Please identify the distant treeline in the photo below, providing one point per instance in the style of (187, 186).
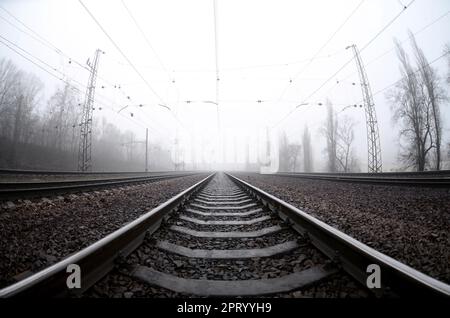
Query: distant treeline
(415, 100)
(44, 134)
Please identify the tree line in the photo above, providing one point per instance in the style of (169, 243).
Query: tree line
(415, 100)
(44, 134)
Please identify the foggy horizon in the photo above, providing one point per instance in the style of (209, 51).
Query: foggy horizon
(266, 58)
(253, 154)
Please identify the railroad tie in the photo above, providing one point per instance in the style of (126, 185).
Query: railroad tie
(231, 222)
(243, 207)
(247, 213)
(228, 254)
(203, 287)
(231, 234)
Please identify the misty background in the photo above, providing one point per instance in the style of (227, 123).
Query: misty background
(213, 80)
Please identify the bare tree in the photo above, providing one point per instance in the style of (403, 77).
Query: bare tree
(62, 117)
(344, 146)
(9, 80)
(433, 96)
(25, 98)
(329, 130)
(412, 110)
(447, 51)
(294, 151)
(307, 150)
(289, 154)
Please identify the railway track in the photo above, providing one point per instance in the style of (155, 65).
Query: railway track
(27, 189)
(417, 179)
(30, 172)
(225, 237)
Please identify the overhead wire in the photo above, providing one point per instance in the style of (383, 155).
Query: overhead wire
(130, 62)
(393, 48)
(339, 81)
(242, 67)
(416, 71)
(398, 81)
(12, 46)
(42, 40)
(216, 58)
(141, 31)
(348, 62)
(147, 41)
(322, 47)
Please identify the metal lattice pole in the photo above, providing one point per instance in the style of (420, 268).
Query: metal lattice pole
(85, 144)
(373, 136)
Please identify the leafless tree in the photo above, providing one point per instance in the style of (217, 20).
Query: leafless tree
(415, 101)
(329, 130)
(25, 98)
(289, 154)
(9, 80)
(294, 151)
(37, 137)
(307, 150)
(344, 146)
(447, 51)
(62, 116)
(433, 96)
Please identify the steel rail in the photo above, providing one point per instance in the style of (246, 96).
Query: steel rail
(96, 260)
(432, 179)
(429, 173)
(12, 190)
(353, 256)
(61, 172)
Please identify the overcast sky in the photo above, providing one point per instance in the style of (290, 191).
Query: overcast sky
(264, 51)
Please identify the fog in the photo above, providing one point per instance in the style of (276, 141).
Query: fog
(213, 80)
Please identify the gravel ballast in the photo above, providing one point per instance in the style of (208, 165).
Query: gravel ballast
(171, 258)
(410, 224)
(35, 234)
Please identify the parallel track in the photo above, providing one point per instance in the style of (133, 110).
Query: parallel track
(228, 224)
(21, 190)
(69, 172)
(417, 179)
